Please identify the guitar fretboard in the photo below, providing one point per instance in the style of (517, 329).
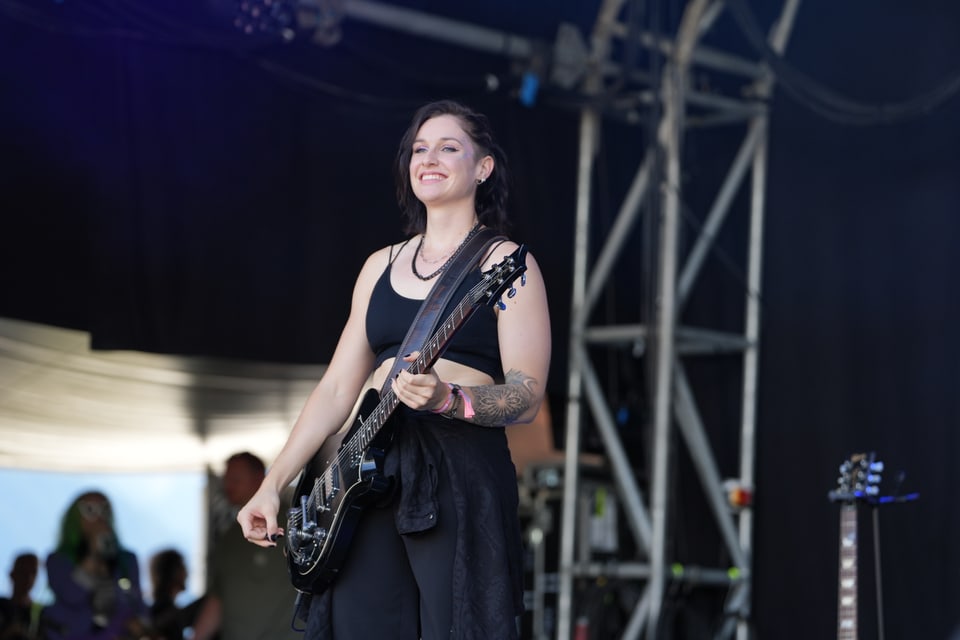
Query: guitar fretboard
(847, 609)
(428, 356)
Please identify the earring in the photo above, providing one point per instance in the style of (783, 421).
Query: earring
(480, 180)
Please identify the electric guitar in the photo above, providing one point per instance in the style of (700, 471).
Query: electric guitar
(859, 477)
(346, 475)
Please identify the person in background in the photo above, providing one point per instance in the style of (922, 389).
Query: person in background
(168, 576)
(443, 557)
(19, 614)
(95, 581)
(249, 594)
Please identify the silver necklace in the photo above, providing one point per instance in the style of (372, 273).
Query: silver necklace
(443, 267)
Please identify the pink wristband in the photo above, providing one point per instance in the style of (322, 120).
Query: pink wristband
(446, 404)
(467, 404)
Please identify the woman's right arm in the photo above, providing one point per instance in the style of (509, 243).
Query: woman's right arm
(324, 413)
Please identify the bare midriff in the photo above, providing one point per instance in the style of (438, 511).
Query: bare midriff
(447, 370)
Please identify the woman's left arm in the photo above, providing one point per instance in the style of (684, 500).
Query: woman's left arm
(524, 335)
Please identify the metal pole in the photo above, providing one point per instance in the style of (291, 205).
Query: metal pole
(778, 41)
(669, 135)
(665, 324)
(589, 142)
(589, 126)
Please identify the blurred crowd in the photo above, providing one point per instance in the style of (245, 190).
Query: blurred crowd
(96, 583)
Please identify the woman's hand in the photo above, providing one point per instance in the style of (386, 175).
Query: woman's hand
(258, 518)
(423, 391)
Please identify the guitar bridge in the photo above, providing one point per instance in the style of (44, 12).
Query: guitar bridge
(302, 527)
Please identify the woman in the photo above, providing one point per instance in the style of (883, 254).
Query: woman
(445, 563)
(95, 581)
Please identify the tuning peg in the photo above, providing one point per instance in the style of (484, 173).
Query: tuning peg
(523, 279)
(512, 292)
(502, 305)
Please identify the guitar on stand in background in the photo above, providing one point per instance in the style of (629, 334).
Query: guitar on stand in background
(858, 482)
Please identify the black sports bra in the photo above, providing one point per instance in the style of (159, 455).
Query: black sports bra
(389, 316)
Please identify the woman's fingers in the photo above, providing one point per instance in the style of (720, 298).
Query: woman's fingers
(415, 390)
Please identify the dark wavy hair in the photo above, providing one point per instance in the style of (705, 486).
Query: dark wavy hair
(491, 197)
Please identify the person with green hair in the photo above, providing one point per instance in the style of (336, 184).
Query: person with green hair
(95, 581)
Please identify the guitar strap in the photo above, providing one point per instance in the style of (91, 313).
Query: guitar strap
(428, 316)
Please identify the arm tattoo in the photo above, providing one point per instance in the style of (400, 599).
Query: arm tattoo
(501, 404)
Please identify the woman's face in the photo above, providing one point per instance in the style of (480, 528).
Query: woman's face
(95, 513)
(445, 164)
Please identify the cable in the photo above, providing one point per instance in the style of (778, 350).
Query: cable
(328, 88)
(877, 570)
(395, 67)
(827, 102)
(137, 30)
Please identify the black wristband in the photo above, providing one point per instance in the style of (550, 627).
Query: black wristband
(455, 404)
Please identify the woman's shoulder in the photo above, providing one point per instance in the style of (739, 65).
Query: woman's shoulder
(378, 262)
(385, 255)
(380, 259)
(128, 553)
(501, 249)
(60, 555)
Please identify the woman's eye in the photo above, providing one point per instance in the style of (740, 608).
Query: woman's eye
(419, 149)
(449, 148)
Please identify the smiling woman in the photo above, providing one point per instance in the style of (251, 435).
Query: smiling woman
(151, 511)
(445, 545)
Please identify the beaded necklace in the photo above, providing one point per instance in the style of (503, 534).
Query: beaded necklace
(443, 267)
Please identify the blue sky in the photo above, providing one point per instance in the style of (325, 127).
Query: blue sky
(152, 511)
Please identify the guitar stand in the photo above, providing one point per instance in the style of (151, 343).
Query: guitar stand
(875, 523)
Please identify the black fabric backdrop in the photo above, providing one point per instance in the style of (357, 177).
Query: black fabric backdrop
(189, 198)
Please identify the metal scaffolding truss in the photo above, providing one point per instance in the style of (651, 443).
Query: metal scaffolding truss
(673, 401)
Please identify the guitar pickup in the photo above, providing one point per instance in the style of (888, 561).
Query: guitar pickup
(329, 487)
(335, 484)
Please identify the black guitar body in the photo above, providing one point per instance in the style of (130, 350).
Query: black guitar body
(336, 486)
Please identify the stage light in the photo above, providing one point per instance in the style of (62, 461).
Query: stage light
(266, 18)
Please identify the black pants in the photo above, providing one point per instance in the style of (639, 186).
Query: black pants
(398, 587)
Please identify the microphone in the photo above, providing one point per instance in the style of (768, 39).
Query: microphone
(107, 546)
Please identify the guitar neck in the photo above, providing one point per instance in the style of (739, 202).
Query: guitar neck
(442, 336)
(847, 604)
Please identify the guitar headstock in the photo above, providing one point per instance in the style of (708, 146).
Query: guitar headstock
(501, 276)
(859, 479)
